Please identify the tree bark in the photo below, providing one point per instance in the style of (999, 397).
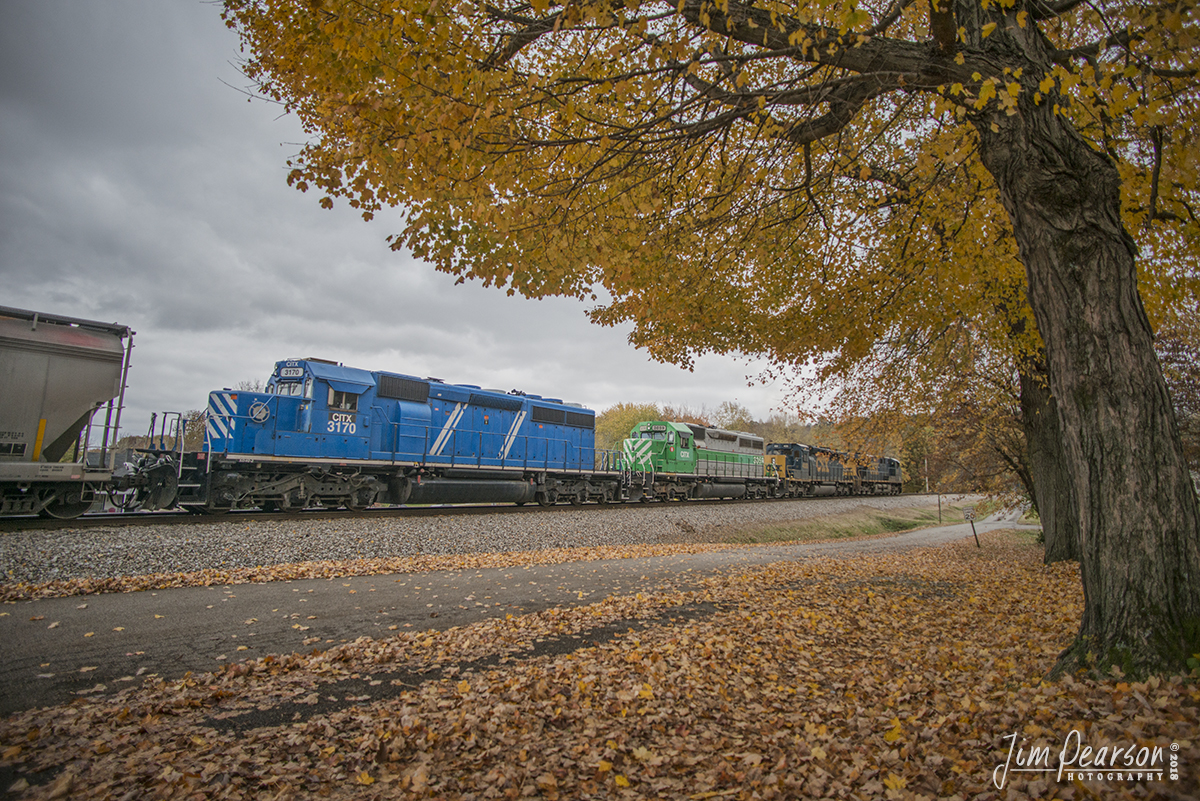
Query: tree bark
(1138, 523)
(1049, 480)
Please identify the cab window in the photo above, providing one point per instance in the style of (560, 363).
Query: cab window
(342, 401)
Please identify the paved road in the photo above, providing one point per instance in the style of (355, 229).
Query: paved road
(57, 649)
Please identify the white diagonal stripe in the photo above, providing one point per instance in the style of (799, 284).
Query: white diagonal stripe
(221, 403)
(637, 451)
(220, 418)
(448, 429)
(512, 435)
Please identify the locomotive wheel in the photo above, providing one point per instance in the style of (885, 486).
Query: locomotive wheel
(579, 498)
(359, 500)
(547, 498)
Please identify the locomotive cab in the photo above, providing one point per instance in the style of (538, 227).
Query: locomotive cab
(661, 447)
(309, 408)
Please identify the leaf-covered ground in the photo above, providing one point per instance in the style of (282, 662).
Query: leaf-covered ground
(896, 676)
(329, 568)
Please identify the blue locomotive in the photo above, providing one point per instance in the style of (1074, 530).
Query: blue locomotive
(323, 434)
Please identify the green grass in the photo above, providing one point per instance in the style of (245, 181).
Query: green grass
(859, 523)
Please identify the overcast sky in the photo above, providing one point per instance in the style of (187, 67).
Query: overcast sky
(138, 185)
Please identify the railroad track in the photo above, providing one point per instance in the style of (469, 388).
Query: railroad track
(173, 518)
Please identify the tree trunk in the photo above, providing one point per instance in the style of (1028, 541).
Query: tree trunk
(1138, 523)
(1051, 485)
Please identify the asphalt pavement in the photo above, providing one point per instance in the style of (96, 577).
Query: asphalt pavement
(59, 649)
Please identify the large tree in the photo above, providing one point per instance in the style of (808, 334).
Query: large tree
(726, 171)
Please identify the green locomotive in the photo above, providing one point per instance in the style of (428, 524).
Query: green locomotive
(665, 460)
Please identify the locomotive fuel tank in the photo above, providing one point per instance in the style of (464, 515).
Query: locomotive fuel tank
(471, 491)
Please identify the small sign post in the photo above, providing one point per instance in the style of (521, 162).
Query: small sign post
(969, 516)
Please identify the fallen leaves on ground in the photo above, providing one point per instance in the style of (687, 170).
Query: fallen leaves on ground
(329, 569)
(895, 676)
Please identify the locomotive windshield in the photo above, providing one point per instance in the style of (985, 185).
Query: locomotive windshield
(292, 388)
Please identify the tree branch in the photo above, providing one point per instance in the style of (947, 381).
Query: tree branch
(943, 26)
(1043, 9)
(506, 51)
(853, 52)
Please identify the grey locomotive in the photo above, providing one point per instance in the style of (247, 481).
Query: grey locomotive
(56, 373)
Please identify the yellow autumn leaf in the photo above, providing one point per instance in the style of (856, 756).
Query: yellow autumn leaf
(364, 778)
(894, 782)
(620, 780)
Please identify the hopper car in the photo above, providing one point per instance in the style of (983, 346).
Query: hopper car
(62, 381)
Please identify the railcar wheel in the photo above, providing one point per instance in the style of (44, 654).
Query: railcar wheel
(579, 497)
(66, 506)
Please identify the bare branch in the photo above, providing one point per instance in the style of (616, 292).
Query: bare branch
(1043, 9)
(530, 33)
(888, 18)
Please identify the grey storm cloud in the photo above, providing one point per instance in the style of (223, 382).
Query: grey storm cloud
(138, 185)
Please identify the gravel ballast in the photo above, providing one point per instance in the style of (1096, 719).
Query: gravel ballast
(114, 552)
